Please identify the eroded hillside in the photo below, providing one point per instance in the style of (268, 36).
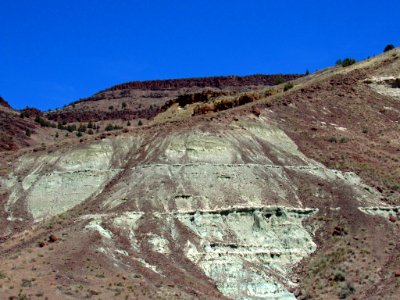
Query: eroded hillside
(288, 193)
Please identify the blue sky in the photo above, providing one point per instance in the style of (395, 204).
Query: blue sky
(54, 52)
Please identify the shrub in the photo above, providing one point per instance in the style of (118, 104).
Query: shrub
(140, 123)
(2, 275)
(109, 127)
(348, 62)
(346, 291)
(204, 108)
(244, 99)
(123, 105)
(279, 80)
(60, 126)
(388, 48)
(287, 86)
(43, 122)
(339, 276)
(28, 132)
(396, 83)
(79, 134)
(26, 282)
(111, 107)
(332, 139)
(24, 114)
(82, 128)
(71, 128)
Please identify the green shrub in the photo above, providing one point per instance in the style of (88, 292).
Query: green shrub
(348, 62)
(279, 80)
(339, 276)
(71, 128)
(388, 48)
(109, 127)
(287, 86)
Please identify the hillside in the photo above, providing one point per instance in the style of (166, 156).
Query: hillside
(230, 188)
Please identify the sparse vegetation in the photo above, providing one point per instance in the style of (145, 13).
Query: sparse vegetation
(44, 123)
(111, 127)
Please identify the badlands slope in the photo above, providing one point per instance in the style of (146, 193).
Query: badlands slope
(242, 204)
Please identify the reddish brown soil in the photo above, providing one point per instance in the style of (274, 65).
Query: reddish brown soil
(14, 131)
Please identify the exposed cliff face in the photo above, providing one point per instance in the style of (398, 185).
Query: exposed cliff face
(216, 82)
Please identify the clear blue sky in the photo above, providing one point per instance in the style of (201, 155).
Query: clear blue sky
(55, 51)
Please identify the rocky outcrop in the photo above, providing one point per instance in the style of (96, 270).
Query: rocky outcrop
(217, 82)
